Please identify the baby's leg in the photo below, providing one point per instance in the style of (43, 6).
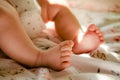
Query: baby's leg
(57, 57)
(90, 41)
(67, 27)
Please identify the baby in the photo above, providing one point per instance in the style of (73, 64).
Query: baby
(68, 28)
(21, 22)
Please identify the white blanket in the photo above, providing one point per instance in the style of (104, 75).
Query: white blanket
(101, 64)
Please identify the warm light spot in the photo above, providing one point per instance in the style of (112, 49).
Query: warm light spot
(50, 25)
(80, 36)
(105, 47)
(82, 32)
(61, 2)
(104, 77)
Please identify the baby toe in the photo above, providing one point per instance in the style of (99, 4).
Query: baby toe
(102, 40)
(100, 34)
(63, 66)
(67, 43)
(65, 58)
(92, 27)
(66, 53)
(65, 62)
(97, 31)
(66, 48)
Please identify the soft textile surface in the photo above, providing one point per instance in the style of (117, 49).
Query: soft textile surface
(101, 64)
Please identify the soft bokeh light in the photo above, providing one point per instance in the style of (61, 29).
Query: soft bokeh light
(105, 47)
(81, 33)
(80, 36)
(103, 77)
(50, 25)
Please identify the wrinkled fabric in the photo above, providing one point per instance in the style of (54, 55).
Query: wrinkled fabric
(101, 64)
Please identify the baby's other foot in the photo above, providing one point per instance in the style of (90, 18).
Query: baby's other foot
(90, 41)
(58, 57)
(94, 29)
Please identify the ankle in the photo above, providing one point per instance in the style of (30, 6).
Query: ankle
(43, 59)
(39, 59)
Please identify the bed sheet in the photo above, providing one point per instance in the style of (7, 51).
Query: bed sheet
(101, 64)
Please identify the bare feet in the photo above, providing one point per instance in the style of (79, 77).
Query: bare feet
(91, 40)
(58, 57)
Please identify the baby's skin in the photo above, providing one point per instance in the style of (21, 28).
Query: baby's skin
(89, 42)
(67, 27)
(21, 48)
(57, 57)
(83, 43)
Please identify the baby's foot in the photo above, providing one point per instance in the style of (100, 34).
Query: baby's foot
(91, 40)
(94, 29)
(58, 57)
